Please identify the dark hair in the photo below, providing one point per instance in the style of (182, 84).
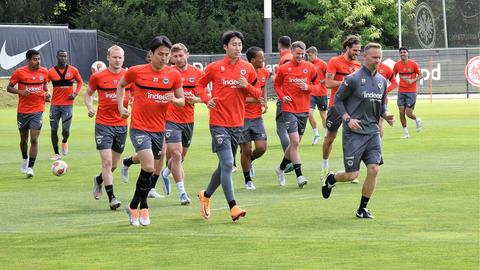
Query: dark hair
(61, 51)
(298, 44)
(403, 48)
(252, 52)
(285, 41)
(31, 53)
(350, 41)
(159, 41)
(227, 36)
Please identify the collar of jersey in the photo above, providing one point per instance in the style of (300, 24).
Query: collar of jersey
(226, 60)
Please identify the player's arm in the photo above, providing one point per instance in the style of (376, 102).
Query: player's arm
(314, 83)
(120, 96)
(330, 82)
(419, 74)
(249, 84)
(79, 81)
(11, 86)
(177, 97)
(278, 87)
(88, 100)
(344, 92)
(385, 115)
(202, 85)
(47, 94)
(393, 84)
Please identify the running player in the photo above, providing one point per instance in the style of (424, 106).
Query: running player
(154, 86)
(253, 127)
(361, 101)
(32, 93)
(337, 68)
(180, 120)
(62, 77)
(387, 73)
(110, 127)
(410, 73)
(318, 96)
(232, 79)
(293, 85)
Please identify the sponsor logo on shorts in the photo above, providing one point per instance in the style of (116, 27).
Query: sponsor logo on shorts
(139, 139)
(168, 133)
(219, 138)
(99, 139)
(350, 160)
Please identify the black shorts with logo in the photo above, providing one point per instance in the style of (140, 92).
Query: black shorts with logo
(142, 140)
(110, 137)
(361, 147)
(295, 122)
(225, 137)
(334, 120)
(178, 132)
(26, 121)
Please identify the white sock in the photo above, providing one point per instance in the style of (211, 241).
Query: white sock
(166, 172)
(405, 130)
(181, 187)
(315, 132)
(418, 119)
(325, 163)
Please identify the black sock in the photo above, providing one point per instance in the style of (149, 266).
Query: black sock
(31, 162)
(64, 140)
(55, 150)
(363, 202)
(143, 203)
(109, 190)
(153, 180)
(141, 190)
(231, 204)
(284, 163)
(99, 178)
(206, 194)
(331, 179)
(128, 161)
(247, 176)
(24, 155)
(298, 169)
(252, 158)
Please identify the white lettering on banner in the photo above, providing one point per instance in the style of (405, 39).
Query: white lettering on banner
(159, 98)
(436, 74)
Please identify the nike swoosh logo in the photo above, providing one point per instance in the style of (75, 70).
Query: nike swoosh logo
(7, 62)
(329, 186)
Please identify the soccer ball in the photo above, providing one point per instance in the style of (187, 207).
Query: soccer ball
(98, 66)
(59, 168)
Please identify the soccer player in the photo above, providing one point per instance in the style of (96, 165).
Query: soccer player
(361, 101)
(284, 43)
(387, 73)
(62, 77)
(180, 120)
(110, 127)
(253, 127)
(154, 86)
(337, 68)
(410, 73)
(293, 85)
(32, 93)
(318, 95)
(232, 79)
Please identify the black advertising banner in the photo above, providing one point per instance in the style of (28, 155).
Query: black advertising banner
(16, 40)
(83, 50)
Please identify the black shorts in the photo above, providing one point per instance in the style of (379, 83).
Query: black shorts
(177, 132)
(358, 147)
(321, 102)
(26, 121)
(142, 140)
(110, 137)
(295, 122)
(407, 99)
(225, 137)
(253, 130)
(61, 112)
(334, 121)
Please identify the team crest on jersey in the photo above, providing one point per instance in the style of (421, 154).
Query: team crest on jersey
(263, 79)
(191, 79)
(380, 70)
(380, 85)
(305, 70)
(363, 81)
(222, 69)
(68, 74)
(165, 80)
(155, 79)
(243, 71)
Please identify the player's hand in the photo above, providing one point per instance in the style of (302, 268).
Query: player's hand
(390, 119)
(72, 96)
(23, 93)
(91, 113)
(303, 86)
(264, 108)
(169, 97)
(286, 99)
(211, 104)
(47, 97)
(354, 124)
(242, 82)
(124, 113)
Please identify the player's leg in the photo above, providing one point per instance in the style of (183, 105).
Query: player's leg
(323, 116)
(55, 116)
(35, 127)
(67, 116)
(246, 149)
(412, 99)
(333, 122)
(24, 148)
(312, 121)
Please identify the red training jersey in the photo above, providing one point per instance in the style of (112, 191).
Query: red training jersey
(149, 88)
(229, 98)
(105, 83)
(408, 70)
(186, 114)
(319, 89)
(289, 76)
(254, 110)
(340, 67)
(35, 82)
(62, 81)
(387, 73)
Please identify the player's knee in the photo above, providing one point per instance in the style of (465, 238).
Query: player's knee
(107, 164)
(373, 169)
(66, 133)
(352, 176)
(34, 140)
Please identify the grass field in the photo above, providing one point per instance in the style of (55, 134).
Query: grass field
(426, 204)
